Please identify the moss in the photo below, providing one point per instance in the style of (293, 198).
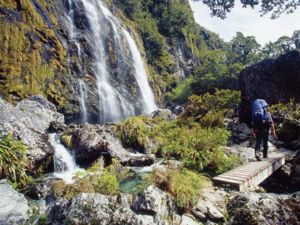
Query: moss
(66, 140)
(24, 71)
(133, 133)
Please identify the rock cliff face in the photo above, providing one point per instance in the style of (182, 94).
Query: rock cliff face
(48, 50)
(276, 80)
(29, 121)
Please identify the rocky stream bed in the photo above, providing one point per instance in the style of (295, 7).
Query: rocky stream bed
(33, 119)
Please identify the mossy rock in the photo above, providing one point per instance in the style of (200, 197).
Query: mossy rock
(66, 140)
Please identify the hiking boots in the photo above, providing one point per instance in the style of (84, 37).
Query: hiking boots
(257, 156)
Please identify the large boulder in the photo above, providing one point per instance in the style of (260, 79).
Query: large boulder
(267, 209)
(90, 142)
(276, 80)
(29, 121)
(13, 205)
(155, 202)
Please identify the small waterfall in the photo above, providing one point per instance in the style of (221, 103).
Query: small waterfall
(64, 163)
(82, 100)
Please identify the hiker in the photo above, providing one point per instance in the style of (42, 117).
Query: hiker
(262, 122)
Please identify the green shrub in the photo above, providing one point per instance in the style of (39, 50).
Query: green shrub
(213, 119)
(107, 183)
(182, 91)
(184, 185)
(133, 133)
(191, 144)
(221, 100)
(223, 162)
(13, 160)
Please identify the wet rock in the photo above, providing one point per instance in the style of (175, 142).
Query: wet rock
(155, 202)
(268, 209)
(13, 205)
(276, 80)
(138, 160)
(58, 211)
(29, 121)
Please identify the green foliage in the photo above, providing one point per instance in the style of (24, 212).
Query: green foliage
(184, 185)
(221, 8)
(213, 119)
(222, 162)
(182, 91)
(133, 132)
(24, 70)
(37, 218)
(107, 183)
(13, 160)
(193, 145)
(221, 100)
(94, 179)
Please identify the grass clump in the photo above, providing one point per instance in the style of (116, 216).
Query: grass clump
(133, 133)
(13, 160)
(185, 185)
(96, 179)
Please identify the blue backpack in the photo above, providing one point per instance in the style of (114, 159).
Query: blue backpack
(259, 111)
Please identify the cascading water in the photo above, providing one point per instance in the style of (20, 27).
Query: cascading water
(64, 163)
(122, 85)
(141, 76)
(82, 100)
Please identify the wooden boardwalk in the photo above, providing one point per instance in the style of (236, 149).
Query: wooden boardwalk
(252, 173)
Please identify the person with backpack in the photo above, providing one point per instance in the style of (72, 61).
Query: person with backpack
(262, 122)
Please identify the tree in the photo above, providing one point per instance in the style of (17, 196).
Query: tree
(221, 7)
(296, 39)
(245, 49)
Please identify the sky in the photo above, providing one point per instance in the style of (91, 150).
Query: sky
(247, 21)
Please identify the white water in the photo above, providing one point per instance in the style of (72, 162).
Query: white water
(112, 105)
(115, 101)
(140, 72)
(82, 85)
(82, 100)
(64, 163)
(141, 76)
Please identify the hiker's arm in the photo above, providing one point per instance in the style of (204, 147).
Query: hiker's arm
(273, 130)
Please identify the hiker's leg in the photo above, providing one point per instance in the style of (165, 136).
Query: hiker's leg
(265, 143)
(258, 136)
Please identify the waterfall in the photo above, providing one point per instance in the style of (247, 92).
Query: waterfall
(122, 85)
(82, 100)
(141, 75)
(64, 163)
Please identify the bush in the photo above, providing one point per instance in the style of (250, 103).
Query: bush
(221, 100)
(223, 162)
(13, 160)
(133, 133)
(184, 185)
(182, 91)
(213, 119)
(189, 143)
(107, 183)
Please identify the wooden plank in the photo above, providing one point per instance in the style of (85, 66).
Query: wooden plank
(250, 174)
